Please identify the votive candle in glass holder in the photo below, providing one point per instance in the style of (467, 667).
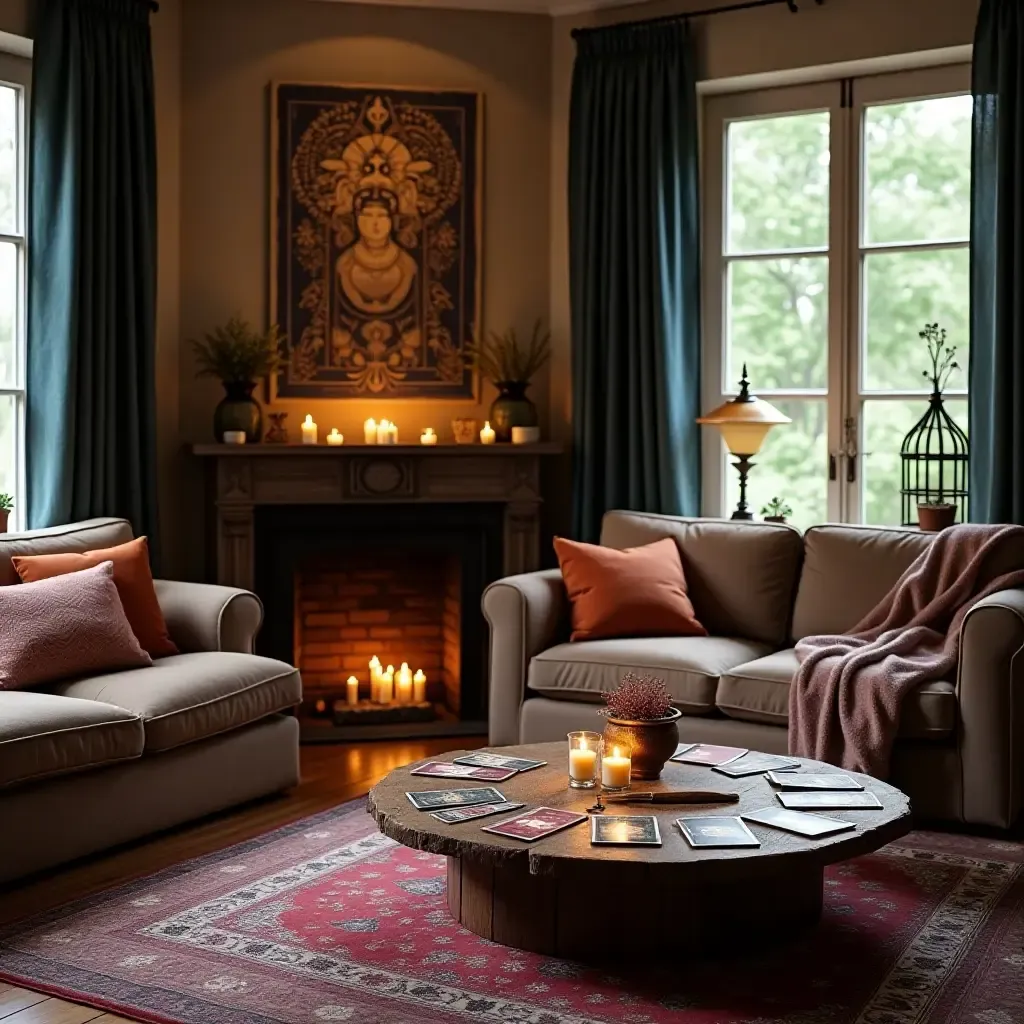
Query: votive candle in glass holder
(616, 766)
(584, 759)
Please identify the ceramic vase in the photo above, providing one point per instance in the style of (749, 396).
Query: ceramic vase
(511, 409)
(238, 410)
(652, 743)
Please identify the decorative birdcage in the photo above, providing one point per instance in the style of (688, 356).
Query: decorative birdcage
(934, 454)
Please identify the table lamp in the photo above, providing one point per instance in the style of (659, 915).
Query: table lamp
(744, 423)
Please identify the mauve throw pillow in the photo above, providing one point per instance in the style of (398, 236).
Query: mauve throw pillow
(633, 592)
(70, 625)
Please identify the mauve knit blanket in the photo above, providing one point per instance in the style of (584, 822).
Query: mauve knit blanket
(847, 694)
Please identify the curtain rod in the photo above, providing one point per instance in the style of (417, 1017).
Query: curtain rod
(665, 19)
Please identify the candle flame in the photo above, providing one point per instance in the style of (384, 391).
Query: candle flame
(583, 743)
(352, 679)
(615, 752)
(309, 420)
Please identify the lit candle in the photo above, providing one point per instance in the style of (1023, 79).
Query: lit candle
(352, 691)
(387, 686)
(334, 438)
(487, 433)
(419, 687)
(428, 436)
(308, 430)
(404, 689)
(382, 432)
(375, 679)
(392, 434)
(370, 431)
(582, 761)
(615, 770)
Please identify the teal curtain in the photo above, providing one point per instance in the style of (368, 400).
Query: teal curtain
(997, 266)
(91, 432)
(634, 273)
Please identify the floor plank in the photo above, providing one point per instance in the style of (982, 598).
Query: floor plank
(331, 775)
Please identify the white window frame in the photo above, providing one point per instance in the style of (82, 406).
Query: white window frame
(16, 72)
(845, 100)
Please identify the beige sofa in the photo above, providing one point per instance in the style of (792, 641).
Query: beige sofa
(757, 587)
(88, 763)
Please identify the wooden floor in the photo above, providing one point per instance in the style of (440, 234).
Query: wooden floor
(331, 774)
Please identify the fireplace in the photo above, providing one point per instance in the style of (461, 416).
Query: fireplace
(344, 584)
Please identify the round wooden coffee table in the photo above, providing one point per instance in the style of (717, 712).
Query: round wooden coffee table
(563, 897)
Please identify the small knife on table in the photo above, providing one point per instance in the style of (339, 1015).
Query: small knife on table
(677, 796)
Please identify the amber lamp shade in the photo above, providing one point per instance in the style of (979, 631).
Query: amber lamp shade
(744, 423)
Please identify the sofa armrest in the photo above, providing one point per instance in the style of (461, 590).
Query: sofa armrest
(205, 617)
(990, 692)
(527, 614)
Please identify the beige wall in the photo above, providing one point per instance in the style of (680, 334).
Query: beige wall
(232, 49)
(730, 45)
(14, 17)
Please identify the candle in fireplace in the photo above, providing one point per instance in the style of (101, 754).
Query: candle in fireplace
(375, 679)
(352, 691)
(403, 692)
(419, 687)
(387, 686)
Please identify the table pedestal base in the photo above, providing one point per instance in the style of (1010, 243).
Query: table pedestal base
(602, 912)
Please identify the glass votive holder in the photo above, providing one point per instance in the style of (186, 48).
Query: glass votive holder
(584, 759)
(616, 767)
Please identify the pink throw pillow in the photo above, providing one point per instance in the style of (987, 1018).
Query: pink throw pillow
(71, 625)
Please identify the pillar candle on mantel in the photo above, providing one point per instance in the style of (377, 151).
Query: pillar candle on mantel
(352, 691)
(308, 430)
(370, 431)
(419, 687)
(335, 437)
(428, 436)
(487, 433)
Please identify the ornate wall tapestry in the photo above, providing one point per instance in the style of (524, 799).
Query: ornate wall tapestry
(376, 264)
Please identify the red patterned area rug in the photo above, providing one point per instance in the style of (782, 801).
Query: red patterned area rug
(327, 920)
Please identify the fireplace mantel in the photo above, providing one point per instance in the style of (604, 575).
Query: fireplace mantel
(242, 477)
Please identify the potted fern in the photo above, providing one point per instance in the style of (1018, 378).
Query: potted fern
(238, 356)
(6, 507)
(510, 365)
(776, 511)
(641, 718)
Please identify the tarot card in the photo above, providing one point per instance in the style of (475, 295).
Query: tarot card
(703, 833)
(682, 749)
(430, 799)
(451, 815)
(828, 801)
(755, 764)
(795, 780)
(709, 754)
(482, 759)
(800, 822)
(447, 770)
(536, 823)
(625, 830)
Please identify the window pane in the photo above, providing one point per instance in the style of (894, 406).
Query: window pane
(8, 159)
(778, 183)
(918, 170)
(885, 426)
(792, 465)
(8, 314)
(904, 291)
(778, 322)
(8, 446)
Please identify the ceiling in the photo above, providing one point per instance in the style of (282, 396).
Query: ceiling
(554, 8)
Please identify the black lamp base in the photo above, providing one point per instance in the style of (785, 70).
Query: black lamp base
(743, 465)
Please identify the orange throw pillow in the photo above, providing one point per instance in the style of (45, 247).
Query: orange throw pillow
(634, 592)
(132, 577)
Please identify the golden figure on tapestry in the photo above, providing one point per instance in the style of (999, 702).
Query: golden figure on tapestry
(376, 275)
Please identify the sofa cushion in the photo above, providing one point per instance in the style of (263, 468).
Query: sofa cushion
(847, 570)
(759, 692)
(84, 536)
(629, 593)
(42, 734)
(132, 577)
(188, 697)
(690, 666)
(741, 577)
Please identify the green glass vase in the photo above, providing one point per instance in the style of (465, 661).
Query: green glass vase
(511, 409)
(238, 410)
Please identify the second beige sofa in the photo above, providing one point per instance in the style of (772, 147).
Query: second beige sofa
(758, 587)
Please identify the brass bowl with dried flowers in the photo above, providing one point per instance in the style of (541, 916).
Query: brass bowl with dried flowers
(642, 719)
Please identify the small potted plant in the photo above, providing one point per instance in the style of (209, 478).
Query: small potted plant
(510, 365)
(776, 511)
(641, 718)
(238, 356)
(933, 516)
(937, 514)
(6, 507)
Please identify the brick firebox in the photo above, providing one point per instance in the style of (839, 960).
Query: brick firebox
(398, 606)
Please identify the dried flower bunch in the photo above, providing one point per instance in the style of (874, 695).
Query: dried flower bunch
(638, 699)
(943, 357)
(237, 353)
(504, 359)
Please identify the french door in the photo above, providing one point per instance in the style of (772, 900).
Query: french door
(836, 227)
